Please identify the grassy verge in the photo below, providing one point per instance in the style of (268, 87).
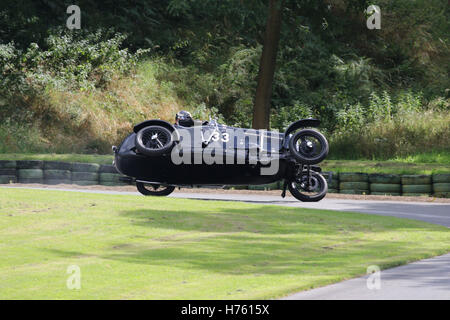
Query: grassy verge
(130, 247)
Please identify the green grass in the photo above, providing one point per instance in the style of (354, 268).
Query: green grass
(131, 247)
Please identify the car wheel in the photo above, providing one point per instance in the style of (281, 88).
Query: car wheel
(308, 146)
(154, 189)
(311, 190)
(154, 141)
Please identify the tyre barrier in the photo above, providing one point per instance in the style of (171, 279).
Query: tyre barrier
(416, 188)
(358, 187)
(416, 179)
(107, 169)
(353, 177)
(441, 187)
(30, 164)
(30, 175)
(385, 188)
(436, 178)
(85, 167)
(270, 186)
(384, 178)
(55, 172)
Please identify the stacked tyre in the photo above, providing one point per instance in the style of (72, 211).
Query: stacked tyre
(333, 185)
(441, 185)
(108, 176)
(7, 172)
(354, 183)
(30, 171)
(57, 172)
(385, 184)
(85, 174)
(269, 186)
(416, 185)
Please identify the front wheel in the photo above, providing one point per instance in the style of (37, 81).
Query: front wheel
(310, 189)
(148, 189)
(154, 141)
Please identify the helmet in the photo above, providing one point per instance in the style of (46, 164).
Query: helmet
(184, 118)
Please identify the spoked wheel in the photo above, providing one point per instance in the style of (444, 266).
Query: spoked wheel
(154, 189)
(310, 189)
(154, 140)
(308, 146)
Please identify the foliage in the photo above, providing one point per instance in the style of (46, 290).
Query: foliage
(204, 56)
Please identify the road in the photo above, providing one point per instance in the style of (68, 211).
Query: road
(426, 279)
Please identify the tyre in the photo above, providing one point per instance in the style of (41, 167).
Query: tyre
(7, 164)
(416, 179)
(354, 186)
(441, 178)
(308, 191)
(57, 165)
(57, 174)
(110, 177)
(154, 189)
(441, 187)
(421, 188)
(334, 184)
(270, 186)
(30, 174)
(30, 164)
(85, 176)
(31, 180)
(344, 191)
(107, 169)
(385, 187)
(353, 177)
(8, 179)
(308, 146)
(384, 178)
(57, 181)
(154, 141)
(8, 172)
(85, 167)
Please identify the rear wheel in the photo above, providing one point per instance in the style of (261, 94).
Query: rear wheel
(154, 141)
(308, 146)
(308, 189)
(148, 189)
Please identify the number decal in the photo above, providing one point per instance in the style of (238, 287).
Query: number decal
(215, 136)
(225, 137)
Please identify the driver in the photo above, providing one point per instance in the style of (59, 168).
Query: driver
(184, 119)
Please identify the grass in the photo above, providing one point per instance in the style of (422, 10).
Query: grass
(131, 247)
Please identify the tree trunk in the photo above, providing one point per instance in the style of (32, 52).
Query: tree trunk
(261, 108)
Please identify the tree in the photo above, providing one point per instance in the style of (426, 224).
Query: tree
(261, 108)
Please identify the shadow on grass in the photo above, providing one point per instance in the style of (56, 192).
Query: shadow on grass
(274, 240)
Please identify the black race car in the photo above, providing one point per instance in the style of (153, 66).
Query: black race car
(161, 156)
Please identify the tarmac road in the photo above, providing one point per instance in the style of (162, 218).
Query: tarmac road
(426, 279)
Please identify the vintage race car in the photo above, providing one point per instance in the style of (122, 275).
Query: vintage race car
(161, 156)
